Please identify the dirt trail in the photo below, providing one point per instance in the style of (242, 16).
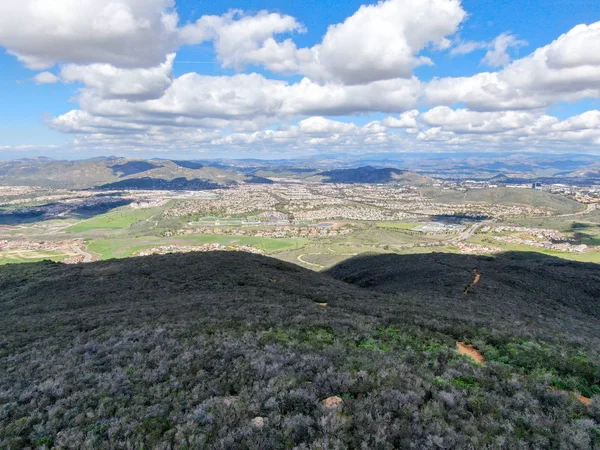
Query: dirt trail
(588, 209)
(299, 258)
(471, 352)
(476, 280)
(87, 257)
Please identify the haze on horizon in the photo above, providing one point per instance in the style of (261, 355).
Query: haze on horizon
(175, 78)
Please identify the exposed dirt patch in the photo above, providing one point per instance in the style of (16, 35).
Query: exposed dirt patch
(471, 352)
(476, 279)
(333, 402)
(586, 401)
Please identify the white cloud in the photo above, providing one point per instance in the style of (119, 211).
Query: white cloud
(466, 47)
(128, 33)
(466, 121)
(509, 129)
(498, 55)
(45, 78)
(406, 120)
(382, 41)
(109, 82)
(241, 39)
(321, 125)
(548, 75)
(378, 42)
(579, 47)
(497, 49)
(230, 100)
(121, 52)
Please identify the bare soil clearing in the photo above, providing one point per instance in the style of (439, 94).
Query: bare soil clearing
(471, 352)
(586, 401)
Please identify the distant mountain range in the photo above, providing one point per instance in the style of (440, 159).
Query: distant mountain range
(413, 169)
(120, 173)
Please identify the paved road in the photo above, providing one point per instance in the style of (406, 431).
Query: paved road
(469, 232)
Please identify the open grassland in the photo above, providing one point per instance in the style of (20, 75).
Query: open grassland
(29, 256)
(123, 247)
(592, 256)
(557, 222)
(121, 218)
(399, 225)
(507, 196)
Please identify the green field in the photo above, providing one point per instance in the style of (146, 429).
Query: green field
(121, 218)
(592, 256)
(507, 196)
(29, 256)
(398, 225)
(119, 248)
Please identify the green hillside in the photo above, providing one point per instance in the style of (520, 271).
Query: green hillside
(507, 196)
(238, 351)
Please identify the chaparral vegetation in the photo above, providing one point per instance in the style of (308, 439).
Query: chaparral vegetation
(229, 350)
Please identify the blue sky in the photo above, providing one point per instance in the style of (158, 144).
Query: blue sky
(399, 75)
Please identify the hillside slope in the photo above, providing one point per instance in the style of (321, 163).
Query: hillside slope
(368, 174)
(523, 285)
(105, 171)
(232, 350)
(507, 196)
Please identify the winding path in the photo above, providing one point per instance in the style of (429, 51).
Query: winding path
(87, 257)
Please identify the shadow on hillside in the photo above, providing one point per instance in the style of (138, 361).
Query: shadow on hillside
(583, 237)
(517, 293)
(192, 165)
(458, 218)
(520, 279)
(159, 184)
(132, 168)
(365, 174)
(60, 211)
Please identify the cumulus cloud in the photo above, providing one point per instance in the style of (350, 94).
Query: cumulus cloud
(127, 33)
(378, 42)
(249, 98)
(109, 82)
(382, 41)
(438, 129)
(406, 120)
(45, 78)
(241, 39)
(513, 129)
(120, 53)
(550, 74)
(321, 125)
(466, 121)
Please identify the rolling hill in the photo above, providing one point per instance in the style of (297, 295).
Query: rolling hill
(114, 172)
(368, 174)
(240, 351)
(506, 196)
